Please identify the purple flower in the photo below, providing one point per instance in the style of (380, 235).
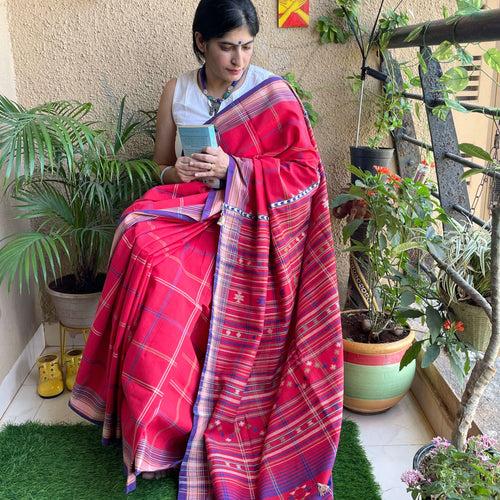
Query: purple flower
(412, 477)
(481, 443)
(440, 442)
(487, 441)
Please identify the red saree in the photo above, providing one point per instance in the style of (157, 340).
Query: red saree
(218, 346)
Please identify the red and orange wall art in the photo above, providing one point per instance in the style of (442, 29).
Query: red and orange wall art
(293, 13)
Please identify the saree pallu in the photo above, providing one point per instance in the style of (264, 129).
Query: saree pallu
(217, 341)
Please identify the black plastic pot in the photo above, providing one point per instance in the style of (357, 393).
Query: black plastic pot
(367, 158)
(420, 454)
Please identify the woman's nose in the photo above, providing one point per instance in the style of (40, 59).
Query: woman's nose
(236, 59)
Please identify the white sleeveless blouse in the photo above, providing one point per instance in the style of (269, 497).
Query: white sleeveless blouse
(190, 105)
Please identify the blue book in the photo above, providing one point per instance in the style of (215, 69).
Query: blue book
(196, 137)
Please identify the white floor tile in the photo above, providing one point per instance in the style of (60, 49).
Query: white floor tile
(56, 410)
(24, 406)
(404, 424)
(389, 462)
(32, 378)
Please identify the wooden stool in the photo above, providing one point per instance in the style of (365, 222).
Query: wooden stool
(65, 330)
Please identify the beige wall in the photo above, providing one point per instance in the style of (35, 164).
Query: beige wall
(100, 50)
(19, 318)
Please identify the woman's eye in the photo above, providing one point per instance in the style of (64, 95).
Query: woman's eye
(225, 49)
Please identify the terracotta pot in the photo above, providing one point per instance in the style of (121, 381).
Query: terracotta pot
(373, 382)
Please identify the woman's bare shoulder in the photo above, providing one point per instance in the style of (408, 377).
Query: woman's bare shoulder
(168, 90)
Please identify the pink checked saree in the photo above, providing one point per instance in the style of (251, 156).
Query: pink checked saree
(217, 341)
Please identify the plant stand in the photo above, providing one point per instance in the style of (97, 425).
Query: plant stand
(65, 330)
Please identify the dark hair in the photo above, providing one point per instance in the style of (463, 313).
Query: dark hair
(215, 18)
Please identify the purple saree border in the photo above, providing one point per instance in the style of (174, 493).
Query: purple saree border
(167, 213)
(91, 420)
(182, 484)
(244, 96)
(208, 204)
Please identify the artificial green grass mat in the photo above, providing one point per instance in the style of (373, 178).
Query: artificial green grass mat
(67, 461)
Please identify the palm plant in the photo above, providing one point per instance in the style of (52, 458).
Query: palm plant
(70, 176)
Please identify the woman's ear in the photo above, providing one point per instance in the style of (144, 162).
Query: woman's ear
(200, 43)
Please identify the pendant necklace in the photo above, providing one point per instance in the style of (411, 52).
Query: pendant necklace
(214, 103)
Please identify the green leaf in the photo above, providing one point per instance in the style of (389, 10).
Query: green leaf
(456, 364)
(422, 62)
(343, 198)
(408, 312)
(441, 111)
(356, 83)
(407, 298)
(467, 7)
(464, 57)
(443, 52)
(350, 228)
(492, 58)
(467, 362)
(475, 151)
(356, 171)
(414, 33)
(455, 79)
(404, 247)
(471, 172)
(417, 108)
(410, 355)
(431, 354)
(24, 253)
(434, 322)
(453, 104)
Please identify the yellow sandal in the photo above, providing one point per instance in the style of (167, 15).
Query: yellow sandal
(72, 360)
(50, 379)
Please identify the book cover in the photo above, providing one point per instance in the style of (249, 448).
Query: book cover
(196, 137)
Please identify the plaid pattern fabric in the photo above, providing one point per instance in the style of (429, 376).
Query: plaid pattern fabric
(266, 405)
(269, 405)
(141, 366)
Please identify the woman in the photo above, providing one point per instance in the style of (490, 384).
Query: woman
(217, 344)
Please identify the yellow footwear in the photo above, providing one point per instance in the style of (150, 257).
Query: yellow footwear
(72, 361)
(50, 379)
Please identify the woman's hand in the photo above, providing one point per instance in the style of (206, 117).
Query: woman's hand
(212, 163)
(184, 168)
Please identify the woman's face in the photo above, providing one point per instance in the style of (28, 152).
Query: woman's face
(228, 57)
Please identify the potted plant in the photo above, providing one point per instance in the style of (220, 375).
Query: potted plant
(344, 24)
(440, 470)
(397, 213)
(71, 178)
(305, 97)
(468, 250)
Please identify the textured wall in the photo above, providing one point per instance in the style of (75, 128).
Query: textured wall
(18, 313)
(100, 50)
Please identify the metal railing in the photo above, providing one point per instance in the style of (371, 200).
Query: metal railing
(453, 194)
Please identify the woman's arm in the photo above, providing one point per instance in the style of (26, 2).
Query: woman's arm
(174, 170)
(164, 154)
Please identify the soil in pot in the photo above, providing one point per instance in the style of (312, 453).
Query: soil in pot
(67, 284)
(354, 328)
